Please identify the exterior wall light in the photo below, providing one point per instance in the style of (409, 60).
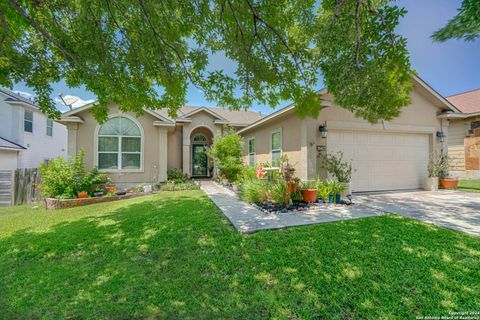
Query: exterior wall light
(323, 130)
(441, 136)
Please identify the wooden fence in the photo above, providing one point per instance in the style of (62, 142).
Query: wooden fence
(26, 186)
(19, 186)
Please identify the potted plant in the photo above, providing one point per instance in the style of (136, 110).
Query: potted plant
(337, 189)
(340, 169)
(82, 195)
(433, 168)
(309, 191)
(446, 182)
(323, 191)
(293, 184)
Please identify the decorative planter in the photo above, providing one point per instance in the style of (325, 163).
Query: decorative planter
(309, 195)
(348, 189)
(82, 195)
(337, 198)
(448, 183)
(292, 186)
(331, 198)
(430, 184)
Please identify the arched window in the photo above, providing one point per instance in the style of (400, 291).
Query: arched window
(200, 139)
(119, 145)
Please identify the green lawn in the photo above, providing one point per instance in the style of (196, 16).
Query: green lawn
(173, 255)
(469, 185)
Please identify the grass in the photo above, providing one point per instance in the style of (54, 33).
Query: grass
(173, 255)
(469, 185)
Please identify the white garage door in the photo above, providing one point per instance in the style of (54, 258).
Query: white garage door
(383, 161)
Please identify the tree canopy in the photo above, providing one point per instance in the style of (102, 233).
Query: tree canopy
(465, 25)
(144, 54)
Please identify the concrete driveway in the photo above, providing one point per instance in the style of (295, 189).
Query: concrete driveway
(451, 209)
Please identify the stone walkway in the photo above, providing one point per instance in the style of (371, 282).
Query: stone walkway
(247, 218)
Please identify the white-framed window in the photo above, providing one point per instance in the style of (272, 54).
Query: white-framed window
(49, 127)
(276, 145)
(251, 152)
(28, 121)
(119, 145)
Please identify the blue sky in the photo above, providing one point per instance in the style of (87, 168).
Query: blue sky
(450, 67)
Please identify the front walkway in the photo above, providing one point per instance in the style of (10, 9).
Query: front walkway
(246, 218)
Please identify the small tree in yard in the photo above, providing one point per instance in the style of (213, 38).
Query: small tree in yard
(226, 151)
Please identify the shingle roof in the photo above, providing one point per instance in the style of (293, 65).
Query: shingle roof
(466, 102)
(234, 117)
(13, 97)
(7, 144)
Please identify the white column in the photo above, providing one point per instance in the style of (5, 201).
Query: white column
(163, 154)
(308, 156)
(186, 150)
(72, 140)
(445, 125)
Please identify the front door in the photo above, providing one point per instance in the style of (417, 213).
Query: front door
(199, 160)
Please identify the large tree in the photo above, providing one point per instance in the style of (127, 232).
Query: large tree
(146, 53)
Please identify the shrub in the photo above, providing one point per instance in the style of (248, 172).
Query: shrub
(226, 151)
(176, 175)
(337, 167)
(280, 193)
(247, 173)
(324, 189)
(438, 166)
(65, 179)
(254, 191)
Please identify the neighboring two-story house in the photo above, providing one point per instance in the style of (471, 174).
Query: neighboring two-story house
(27, 137)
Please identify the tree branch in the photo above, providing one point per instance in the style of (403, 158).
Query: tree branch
(42, 31)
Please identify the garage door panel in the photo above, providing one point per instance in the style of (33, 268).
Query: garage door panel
(383, 161)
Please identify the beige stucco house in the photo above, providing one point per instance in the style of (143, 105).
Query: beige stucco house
(386, 156)
(464, 135)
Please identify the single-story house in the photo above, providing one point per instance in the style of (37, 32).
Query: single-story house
(464, 135)
(386, 156)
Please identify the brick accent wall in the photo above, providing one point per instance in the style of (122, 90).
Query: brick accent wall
(472, 150)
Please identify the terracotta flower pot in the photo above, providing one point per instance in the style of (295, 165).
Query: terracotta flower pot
(309, 195)
(292, 186)
(448, 183)
(82, 195)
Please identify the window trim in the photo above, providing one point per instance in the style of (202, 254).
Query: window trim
(142, 149)
(46, 130)
(24, 120)
(278, 130)
(254, 154)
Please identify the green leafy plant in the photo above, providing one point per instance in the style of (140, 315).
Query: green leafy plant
(247, 173)
(438, 166)
(280, 193)
(323, 190)
(337, 167)
(176, 176)
(309, 184)
(178, 186)
(337, 187)
(255, 191)
(65, 179)
(226, 151)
